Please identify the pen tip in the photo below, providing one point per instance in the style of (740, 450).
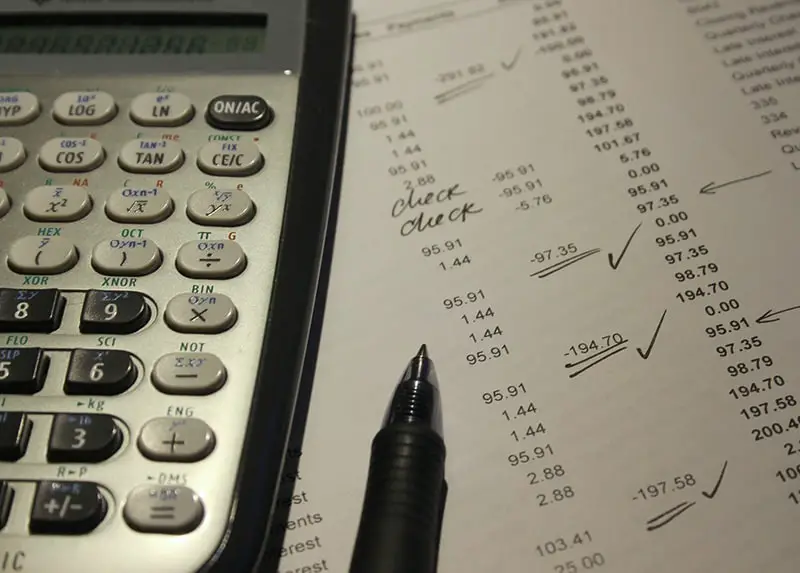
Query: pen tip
(423, 352)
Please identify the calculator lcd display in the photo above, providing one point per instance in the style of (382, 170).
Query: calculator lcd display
(135, 35)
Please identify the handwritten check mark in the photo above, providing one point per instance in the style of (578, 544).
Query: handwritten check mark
(615, 264)
(513, 62)
(646, 354)
(719, 482)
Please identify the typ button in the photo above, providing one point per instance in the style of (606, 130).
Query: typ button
(239, 112)
(22, 370)
(113, 312)
(83, 438)
(30, 310)
(15, 431)
(100, 372)
(67, 508)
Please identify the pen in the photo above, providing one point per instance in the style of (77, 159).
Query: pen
(404, 497)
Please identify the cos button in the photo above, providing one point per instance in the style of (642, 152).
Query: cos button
(239, 112)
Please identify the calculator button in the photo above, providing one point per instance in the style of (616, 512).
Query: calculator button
(57, 204)
(22, 370)
(18, 108)
(220, 207)
(67, 508)
(6, 499)
(83, 438)
(15, 432)
(151, 156)
(139, 205)
(12, 154)
(200, 313)
(84, 108)
(71, 154)
(126, 257)
(176, 440)
(189, 374)
(238, 112)
(42, 255)
(168, 509)
(211, 259)
(230, 158)
(114, 312)
(100, 372)
(30, 310)
(161, 109)
(5, 203)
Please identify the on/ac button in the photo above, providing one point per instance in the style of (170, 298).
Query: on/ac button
(239, 112)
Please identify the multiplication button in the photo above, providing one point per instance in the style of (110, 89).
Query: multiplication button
(139, 205)
(84, 108)
(189, 374)
(126, 257)
(83, 438)
(57, 204)
(15, 432)
(114, 312)
(71, 154)
(200, 313)
(12, 154)
(220, 207)
(22, 370)
(67, 508)
(24, 310)
(211, 259)
(100, 373)
(172, 510)
(176, 440)
(42, 255)
(151, 156)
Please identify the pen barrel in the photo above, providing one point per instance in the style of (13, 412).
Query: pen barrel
(400, 519)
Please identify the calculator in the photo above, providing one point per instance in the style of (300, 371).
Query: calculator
(168, 175)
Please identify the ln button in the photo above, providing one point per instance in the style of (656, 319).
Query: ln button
(67, 508)
(174, 510)
(239, 112)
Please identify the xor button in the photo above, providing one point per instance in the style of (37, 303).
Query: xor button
(100, 372)
(83, 438)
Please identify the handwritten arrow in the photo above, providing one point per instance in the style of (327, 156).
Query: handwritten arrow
(772, 316)
(711, 188)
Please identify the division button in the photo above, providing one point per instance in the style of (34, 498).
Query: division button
(6, 499)
(139, 205)
(30, 310)
(220, 207)
(211, 259)
(18, 108)
(15, 432)
(100, 373)
(83, 438)
(57, 204)
(126, 257)
(67, 508)
(5, 202)
(42, 255)
(114, 312)
(12, 154)
(151, 156)
(84, 108)
(239, 112)
(189, 374)
(162, 109)
(71, 154)
(22, 370)
(200, 313)
(230, 158)
(176, 440)
(173, 510)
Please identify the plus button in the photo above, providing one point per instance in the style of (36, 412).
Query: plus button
(174, 441)
(52, 506)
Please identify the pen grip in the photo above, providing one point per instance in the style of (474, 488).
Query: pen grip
(399, 528)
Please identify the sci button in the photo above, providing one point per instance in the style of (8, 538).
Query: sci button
(67, 508)
(174, 510)
(239, 112)
(100, 373)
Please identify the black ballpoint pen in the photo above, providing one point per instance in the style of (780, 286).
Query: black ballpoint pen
(405, 493)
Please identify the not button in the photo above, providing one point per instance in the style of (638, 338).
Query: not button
(239, 112)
